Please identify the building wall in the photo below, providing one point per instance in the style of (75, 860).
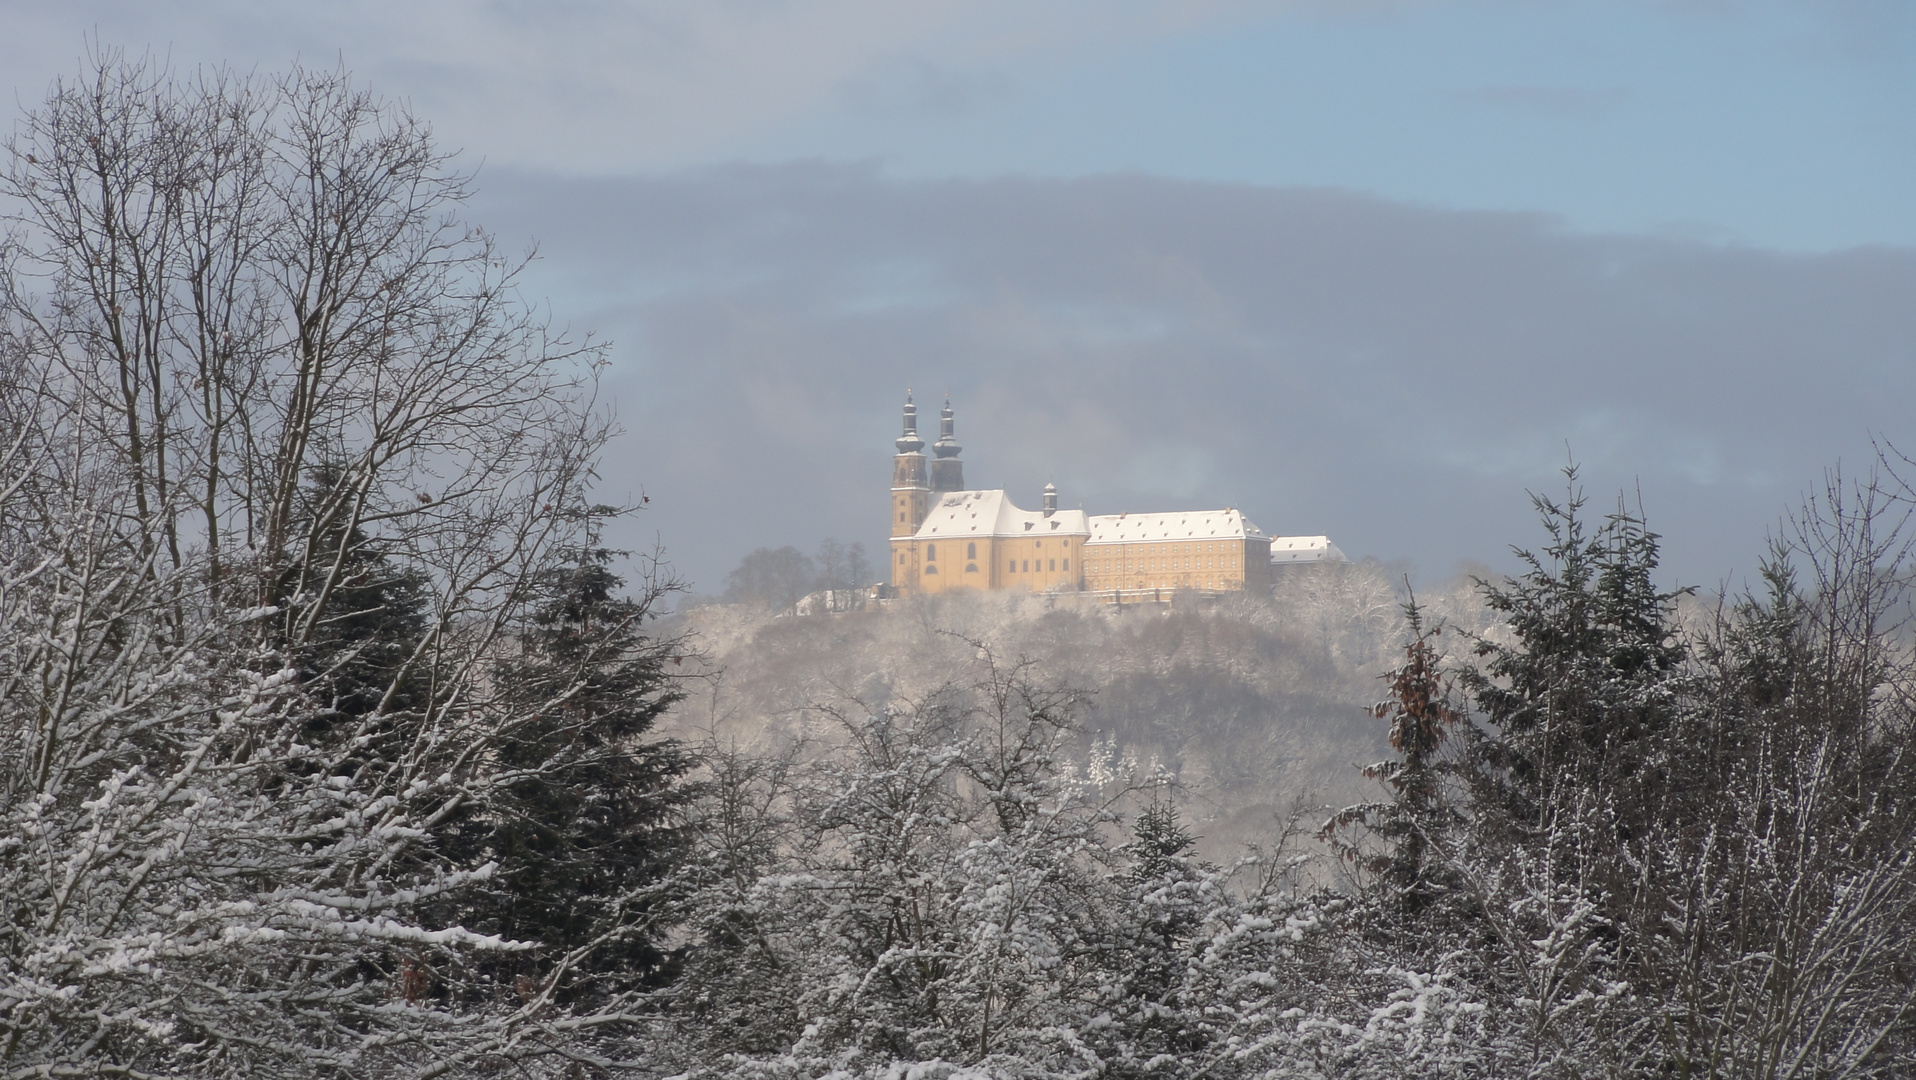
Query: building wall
(1229, 564)
(943, 565)
(1035, 564)
(1040, 563)
(910, 494)
(1068, 562)
(910, 502)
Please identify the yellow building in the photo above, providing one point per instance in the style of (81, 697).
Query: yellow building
(1209, 550)
(945, 537)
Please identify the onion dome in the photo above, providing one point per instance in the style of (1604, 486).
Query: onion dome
(909, 442)
(946, 446)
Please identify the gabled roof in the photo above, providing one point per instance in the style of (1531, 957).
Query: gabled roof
(978, 514)
(1227, 524)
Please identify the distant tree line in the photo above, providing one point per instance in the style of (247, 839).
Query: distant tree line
(778, 578)
(328, 725)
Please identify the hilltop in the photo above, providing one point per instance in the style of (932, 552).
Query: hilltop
(1251, 703)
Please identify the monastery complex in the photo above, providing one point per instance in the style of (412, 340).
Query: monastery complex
(946, 537)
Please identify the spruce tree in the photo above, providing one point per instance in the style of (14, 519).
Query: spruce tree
(1166, 897)
(1584, 695)
(581, 821)
(353, 619)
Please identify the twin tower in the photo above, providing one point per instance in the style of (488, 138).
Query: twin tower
(911, 488)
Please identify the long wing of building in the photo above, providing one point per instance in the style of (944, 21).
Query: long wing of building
(1212, 550)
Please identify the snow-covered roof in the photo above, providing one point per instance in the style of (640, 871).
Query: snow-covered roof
(992, 513)
(1302, 549)
(1183, 525)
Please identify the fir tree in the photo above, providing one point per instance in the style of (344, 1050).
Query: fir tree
(1168, 893)
(581, 821)
(1584, 694)
(354, 620)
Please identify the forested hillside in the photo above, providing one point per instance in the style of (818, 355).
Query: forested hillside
(1247, 706)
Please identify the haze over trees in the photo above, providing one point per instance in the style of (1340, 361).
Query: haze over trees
(1247, 704)
(778, 578)
(333, 744)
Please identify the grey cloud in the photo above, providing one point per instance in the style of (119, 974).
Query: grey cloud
(599, 86)
(1396, 376)
(917, 86)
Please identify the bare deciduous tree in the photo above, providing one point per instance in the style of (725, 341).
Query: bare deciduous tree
(285, 457)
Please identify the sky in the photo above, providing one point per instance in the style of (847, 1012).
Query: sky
(1375, 269)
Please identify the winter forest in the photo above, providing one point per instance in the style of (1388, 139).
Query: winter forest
(334, 741)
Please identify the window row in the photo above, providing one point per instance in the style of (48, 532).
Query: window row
(1163, 564)
(931, 552)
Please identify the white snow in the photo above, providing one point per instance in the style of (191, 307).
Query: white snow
(1226, 524)
(979, 514)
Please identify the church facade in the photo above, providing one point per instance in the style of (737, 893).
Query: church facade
(946, 537)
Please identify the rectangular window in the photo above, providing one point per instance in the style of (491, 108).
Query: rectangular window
(1067, 566)
(1027, 567)
(1054, 564)
(1013, 568)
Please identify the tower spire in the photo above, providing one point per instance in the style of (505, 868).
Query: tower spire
(909, 442)
(947, 472)
(946, 446)
(910, 489)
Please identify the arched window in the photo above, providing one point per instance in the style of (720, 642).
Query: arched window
(931, 569)
(971, 568)
(931, 552)
(971, 551)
